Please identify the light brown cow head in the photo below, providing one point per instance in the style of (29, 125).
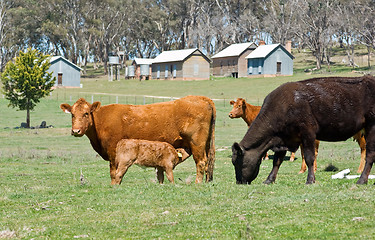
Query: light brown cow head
(81, 115)
(239, 107)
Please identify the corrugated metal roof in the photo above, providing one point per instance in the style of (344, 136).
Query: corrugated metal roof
(234, 50)
(174, 55)
(262, 51)
(143, 61)
(55, 58)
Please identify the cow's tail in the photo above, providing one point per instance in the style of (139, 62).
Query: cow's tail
(211, 147)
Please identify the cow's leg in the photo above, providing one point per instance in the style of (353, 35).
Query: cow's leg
(122, 168)
(303, 165)
(277, 160)
(292, 156)
(112, 172)
(200, 159)
(370, 155)
(362, 144)
(160, 174)
(169, 173)
(309, 152)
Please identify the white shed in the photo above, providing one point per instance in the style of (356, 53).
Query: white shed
(67, 73)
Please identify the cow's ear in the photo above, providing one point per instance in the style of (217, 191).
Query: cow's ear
(238, 149)
(66, 107)
(232, 102)
(95, 106)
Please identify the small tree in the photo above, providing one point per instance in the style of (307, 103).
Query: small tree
(26, 80)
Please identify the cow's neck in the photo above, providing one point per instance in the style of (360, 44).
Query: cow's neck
(258, 136)
(91, 133)
(248, 116)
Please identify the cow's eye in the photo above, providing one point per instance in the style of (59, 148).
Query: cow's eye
(86, 115)
(72, 115)
(239, 106)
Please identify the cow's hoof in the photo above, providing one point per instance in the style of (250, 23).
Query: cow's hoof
(268, 182)
(310, 181)
(361, 181)
(301, 171)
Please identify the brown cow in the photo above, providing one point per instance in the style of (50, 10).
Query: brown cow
(187, 123)
(326, 109)
(249, 112)
(160, 155)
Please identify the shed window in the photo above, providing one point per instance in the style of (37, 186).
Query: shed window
(251, 68)
(166, 71)
(158, 72)
(174, 70)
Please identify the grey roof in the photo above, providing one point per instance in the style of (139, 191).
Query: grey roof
(143, 61)
(175, 55)
(234, 50)
(264, 50)
(56, 58)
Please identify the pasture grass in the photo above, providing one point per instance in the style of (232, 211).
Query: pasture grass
(54, 186)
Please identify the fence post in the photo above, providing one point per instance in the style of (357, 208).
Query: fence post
(144, 100)
(92, 99)
(116, 99)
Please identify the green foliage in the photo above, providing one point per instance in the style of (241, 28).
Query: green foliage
(27, 79)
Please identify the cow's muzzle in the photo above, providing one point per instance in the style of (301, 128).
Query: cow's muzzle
(77, 133)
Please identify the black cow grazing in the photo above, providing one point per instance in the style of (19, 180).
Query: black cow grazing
(327, 109)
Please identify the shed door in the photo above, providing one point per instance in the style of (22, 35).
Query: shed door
(278, 67)
(59, 79)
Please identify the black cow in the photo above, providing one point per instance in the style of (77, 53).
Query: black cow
(327, 109)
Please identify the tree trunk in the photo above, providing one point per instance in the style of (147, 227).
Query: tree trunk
(27, 117)
(369, 57)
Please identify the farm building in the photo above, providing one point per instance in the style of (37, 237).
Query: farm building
(270, 60)
(67, 73)
(142, 68)
(231, 61)
(187, 64)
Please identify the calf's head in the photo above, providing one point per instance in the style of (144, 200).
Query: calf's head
(245, 164)
(81, 115)
(239, 107)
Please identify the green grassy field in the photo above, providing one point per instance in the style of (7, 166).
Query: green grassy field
(44, 196)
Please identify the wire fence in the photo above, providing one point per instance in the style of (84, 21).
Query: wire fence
(106, 98)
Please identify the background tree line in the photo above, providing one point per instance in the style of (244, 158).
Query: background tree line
(88, 30)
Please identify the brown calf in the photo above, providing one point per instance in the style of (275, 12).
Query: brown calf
(160, 155)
